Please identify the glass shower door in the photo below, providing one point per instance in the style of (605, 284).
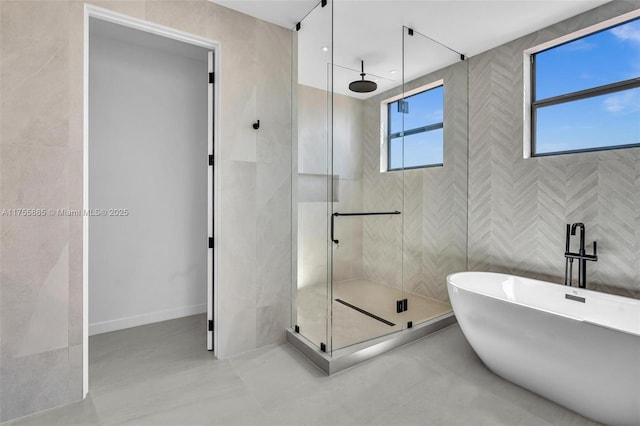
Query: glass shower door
(366, 214)
(312, 181)
(376, 227)
(433, 143)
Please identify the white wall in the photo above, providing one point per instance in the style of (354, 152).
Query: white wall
(147, 154)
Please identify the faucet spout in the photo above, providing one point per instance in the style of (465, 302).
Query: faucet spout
(573, 232)
(577, 225)
(581, 255)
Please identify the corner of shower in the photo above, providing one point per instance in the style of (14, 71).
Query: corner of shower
(372, 241)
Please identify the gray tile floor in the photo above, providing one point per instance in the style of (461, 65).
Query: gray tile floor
(159, 374)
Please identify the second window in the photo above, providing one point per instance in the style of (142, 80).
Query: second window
(415, 135)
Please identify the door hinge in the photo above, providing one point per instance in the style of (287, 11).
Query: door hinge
(212, 77)
(402, 305)
(211, 159)
(210, 325)
(210, 242)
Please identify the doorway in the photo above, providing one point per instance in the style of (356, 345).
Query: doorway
(149, 177)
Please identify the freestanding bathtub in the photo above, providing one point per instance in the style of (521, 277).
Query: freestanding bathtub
(577, 347)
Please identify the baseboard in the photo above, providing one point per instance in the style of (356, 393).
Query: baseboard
(134, 321)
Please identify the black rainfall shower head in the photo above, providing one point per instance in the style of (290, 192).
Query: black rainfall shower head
(362, 86)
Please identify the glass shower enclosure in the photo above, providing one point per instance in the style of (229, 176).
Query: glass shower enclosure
(379, 183)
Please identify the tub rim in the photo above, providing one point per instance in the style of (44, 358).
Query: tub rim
(525, 305)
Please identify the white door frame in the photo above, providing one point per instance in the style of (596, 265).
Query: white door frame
(91, 11)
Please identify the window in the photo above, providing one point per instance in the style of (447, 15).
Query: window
(415, 130)
(586, 92)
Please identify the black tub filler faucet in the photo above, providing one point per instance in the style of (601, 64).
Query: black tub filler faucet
(582, 256)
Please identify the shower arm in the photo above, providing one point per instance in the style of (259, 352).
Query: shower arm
(336, 214)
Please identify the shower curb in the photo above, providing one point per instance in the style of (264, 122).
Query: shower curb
(355, 354)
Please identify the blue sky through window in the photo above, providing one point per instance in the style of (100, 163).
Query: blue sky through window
(423, 148)
(599, 59)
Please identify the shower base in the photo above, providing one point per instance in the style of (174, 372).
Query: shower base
(364, 318)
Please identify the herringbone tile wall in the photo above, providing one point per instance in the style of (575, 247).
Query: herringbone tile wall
(418, 249)
(518, 207)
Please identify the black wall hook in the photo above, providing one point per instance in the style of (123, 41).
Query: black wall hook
(256, 125)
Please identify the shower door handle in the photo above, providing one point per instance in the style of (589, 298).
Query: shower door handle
(336, 214)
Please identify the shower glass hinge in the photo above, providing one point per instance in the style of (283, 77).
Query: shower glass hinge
(212, 77)
(323, 347)
(296, 329)
(403, 107)
(211, 159)
(210, 242)
(402, 305)
(323, 3)
(410, 324)
(210, 325)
